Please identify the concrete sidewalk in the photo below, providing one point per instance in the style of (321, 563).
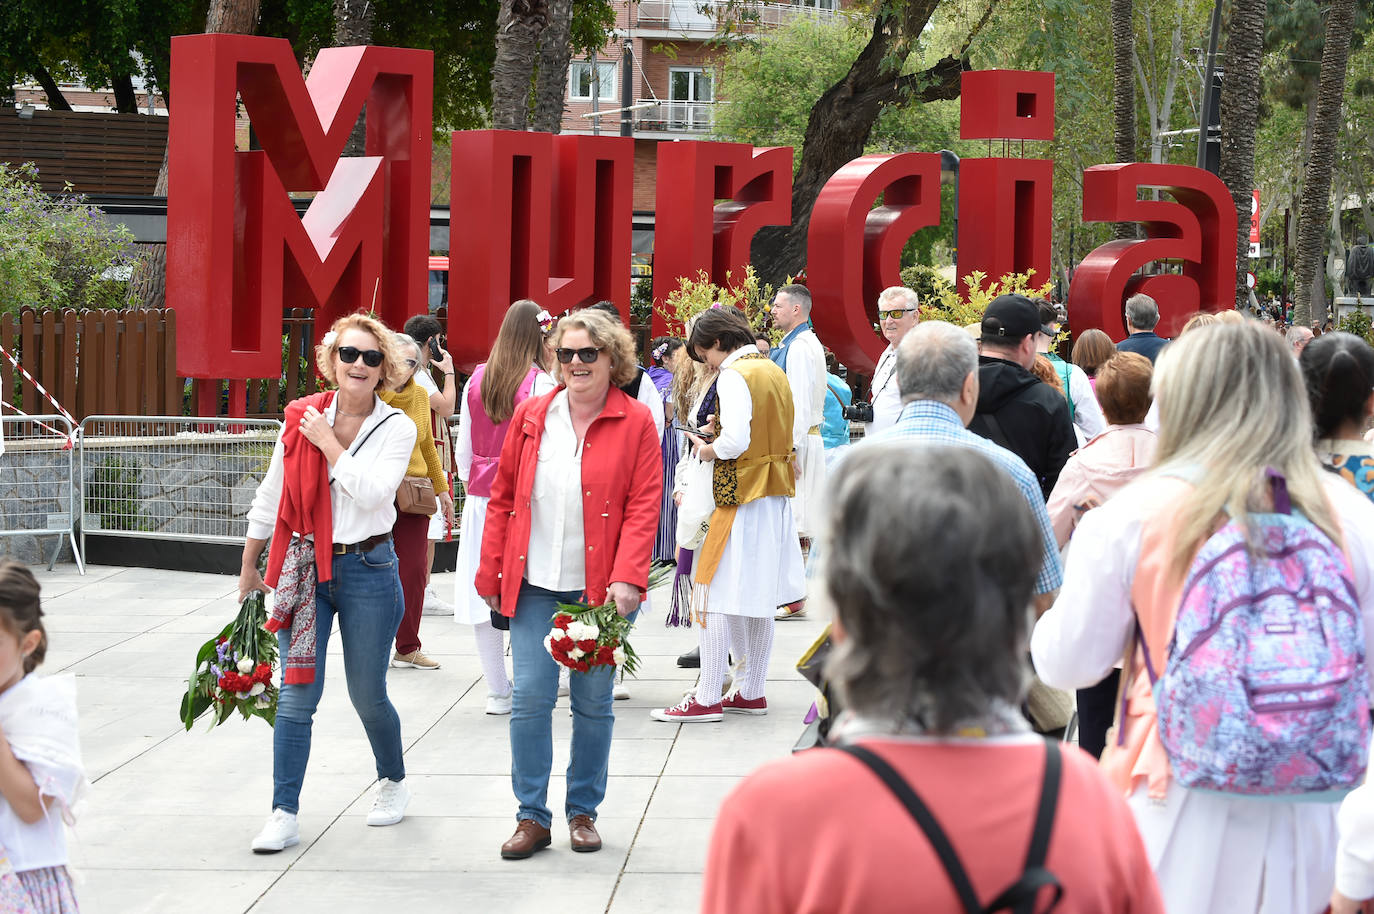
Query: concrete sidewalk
(171, 813)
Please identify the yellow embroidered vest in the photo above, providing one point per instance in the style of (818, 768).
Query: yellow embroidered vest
(765, 467)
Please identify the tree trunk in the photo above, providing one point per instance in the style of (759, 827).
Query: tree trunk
(148, 286)
(56, 100)
(126, 102)
(1123, 95)
(1316, 189)
(518, 27)
(1239, 118)
(842, 120)
(353, 20)
(550, 88)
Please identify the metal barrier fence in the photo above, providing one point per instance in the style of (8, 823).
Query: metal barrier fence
(172, 477)
(39, 497)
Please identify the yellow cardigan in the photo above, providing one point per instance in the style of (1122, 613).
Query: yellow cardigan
(424, 460)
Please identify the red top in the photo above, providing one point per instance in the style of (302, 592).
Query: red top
(818, 832)
(622, 484)
(304, 508)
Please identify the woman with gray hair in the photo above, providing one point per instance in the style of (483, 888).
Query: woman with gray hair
(931, 555)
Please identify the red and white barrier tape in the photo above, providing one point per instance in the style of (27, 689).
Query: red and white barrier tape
(76, 429)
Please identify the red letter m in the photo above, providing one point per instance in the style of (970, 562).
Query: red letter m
(236, 252)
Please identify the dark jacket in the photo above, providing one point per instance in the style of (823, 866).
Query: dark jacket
(1032, 418)
(1147, 344)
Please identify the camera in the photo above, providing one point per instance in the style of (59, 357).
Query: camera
(859, 411)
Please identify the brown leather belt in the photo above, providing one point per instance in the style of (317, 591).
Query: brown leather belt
(366, 545)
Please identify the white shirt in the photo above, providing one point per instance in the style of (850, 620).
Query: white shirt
(556, 536)
(38, 714)
(806, 377)
(462, 443)
(1081, 638)
(736, 421)
(1087, 413)
(884, 394)
(362, 487)
(648, 395)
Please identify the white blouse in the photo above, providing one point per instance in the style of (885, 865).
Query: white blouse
(362, 486)
(556, 534)
(885, 395)
(735, 421)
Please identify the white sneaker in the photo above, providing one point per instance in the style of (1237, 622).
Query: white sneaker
(435, 605)
(498, 704)
(620, 692)
(280, 832)
(390, 805)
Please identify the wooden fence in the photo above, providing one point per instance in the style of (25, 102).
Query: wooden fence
(93, 362)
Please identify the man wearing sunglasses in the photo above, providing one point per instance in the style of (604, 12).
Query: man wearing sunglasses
(898, 312)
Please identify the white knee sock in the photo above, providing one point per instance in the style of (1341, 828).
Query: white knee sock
(491, 652)
(753, 638)
(715, 652)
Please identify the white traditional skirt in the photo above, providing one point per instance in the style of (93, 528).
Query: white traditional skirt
(468, 607)
(761, 568)
(1217, 854)
(811, 486)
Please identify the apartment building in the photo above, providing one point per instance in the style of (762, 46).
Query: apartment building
(667, 51)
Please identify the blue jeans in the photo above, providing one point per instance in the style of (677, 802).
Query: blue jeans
(531, 719)
(365, 597)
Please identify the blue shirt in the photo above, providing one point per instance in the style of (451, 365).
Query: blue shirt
(932, 422)
(835, 428)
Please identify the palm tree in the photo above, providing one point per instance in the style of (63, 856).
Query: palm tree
(1123, 94)
(1314, 211)
(1240, 91)
(555, 52)
(518, 27)
(353, 21)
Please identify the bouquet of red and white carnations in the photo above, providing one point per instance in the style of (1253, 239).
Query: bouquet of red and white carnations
(234, 670)
(584, 636)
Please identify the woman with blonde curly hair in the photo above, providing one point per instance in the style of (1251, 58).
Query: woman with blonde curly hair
(328, 504)
(572, 516)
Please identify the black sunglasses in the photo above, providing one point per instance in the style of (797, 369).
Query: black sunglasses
(371, 357)
(587, 355)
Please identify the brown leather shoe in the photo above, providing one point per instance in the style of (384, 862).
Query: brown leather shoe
(582, 831)
(529, 837)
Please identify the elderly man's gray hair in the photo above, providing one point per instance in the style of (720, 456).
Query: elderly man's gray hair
(933, 361)
(1142, 312)
(899, 297)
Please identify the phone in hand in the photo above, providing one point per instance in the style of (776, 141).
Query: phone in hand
(699, 432)
(434, 347)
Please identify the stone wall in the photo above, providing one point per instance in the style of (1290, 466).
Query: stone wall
(189, 486)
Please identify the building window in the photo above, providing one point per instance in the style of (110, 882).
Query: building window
(689, 98)
(829, 5)
(580, 80)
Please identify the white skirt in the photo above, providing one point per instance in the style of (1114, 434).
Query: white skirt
(761, 568)
(468, 607)
(1216, 854)
(807, 505)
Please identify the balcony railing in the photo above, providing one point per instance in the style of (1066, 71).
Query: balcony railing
(707, 15)
(674, 117)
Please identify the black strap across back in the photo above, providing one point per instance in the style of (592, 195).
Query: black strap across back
(1020, 896)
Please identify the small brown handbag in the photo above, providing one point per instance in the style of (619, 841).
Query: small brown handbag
(415, 495)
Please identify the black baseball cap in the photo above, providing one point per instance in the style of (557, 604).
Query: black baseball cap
(1009, 318)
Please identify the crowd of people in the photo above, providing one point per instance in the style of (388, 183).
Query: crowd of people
(1172, 539)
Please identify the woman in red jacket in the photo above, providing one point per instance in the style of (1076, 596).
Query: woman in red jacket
(572, 516)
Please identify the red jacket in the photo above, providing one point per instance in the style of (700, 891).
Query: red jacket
(622, 483)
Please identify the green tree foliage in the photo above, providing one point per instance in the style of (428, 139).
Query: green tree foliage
(56, 251)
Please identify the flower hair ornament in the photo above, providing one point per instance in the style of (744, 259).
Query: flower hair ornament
(328, 339)
(545, 319)
(658, 352)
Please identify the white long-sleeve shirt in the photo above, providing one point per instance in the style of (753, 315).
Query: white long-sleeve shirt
(362, 486)
(557, 539)
(736, 421)
(1087, 413)
(806, 377)
(884, 393)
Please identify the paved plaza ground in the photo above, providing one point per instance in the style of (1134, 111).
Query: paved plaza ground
(171, 813)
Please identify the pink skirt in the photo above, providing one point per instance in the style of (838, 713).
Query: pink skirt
(48, 891)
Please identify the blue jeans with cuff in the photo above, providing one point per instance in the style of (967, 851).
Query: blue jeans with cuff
(364, 596)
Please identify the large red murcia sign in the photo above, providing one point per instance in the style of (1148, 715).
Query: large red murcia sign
(549, 217)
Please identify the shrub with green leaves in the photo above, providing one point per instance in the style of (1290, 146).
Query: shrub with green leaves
(57, 251)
